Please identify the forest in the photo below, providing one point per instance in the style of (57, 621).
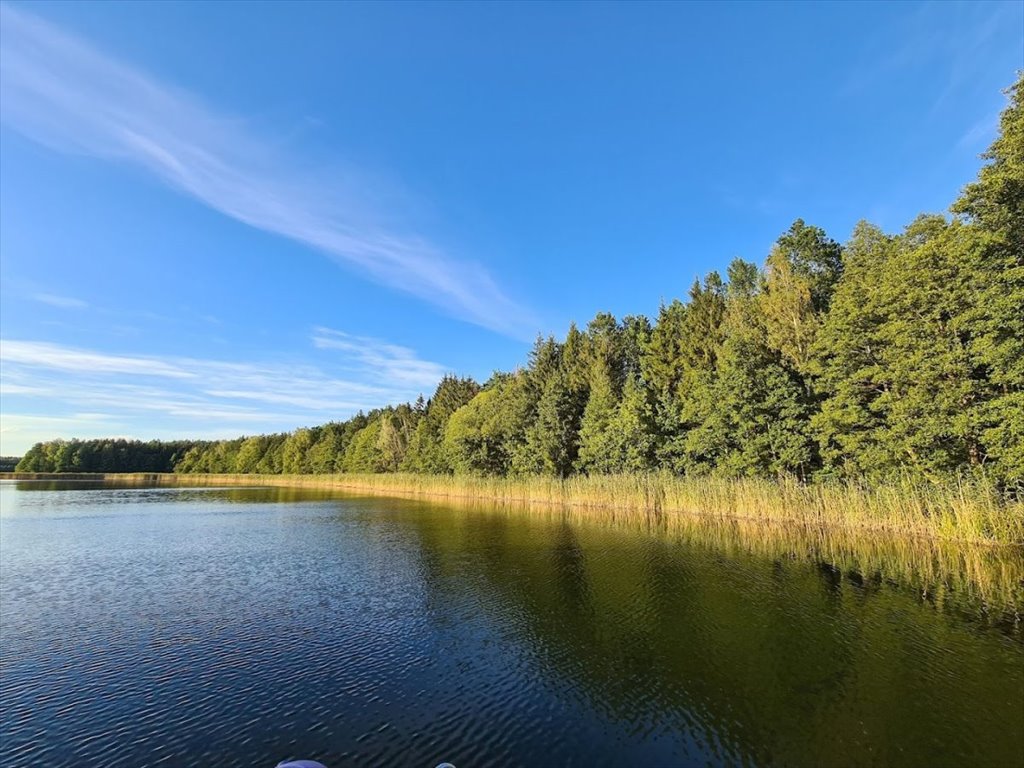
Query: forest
(105, 455)
(887, 355)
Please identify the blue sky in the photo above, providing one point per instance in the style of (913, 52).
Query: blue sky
(227, 219)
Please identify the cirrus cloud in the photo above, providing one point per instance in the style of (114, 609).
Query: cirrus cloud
(63, 92)
(75, 392)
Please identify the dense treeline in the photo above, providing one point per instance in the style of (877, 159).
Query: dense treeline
(893, 353)
(105, 455)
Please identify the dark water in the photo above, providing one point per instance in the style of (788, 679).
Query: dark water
(241, 627)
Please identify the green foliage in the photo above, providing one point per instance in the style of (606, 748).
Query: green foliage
(995, 202)
(636, 335)
(552, 440)
(479, 437)
(398, 425)
(106, 455)
(755, 417)
(293, 454)
(249, 454)
(905, 357)
(426, 450)
(749, 415)
(851, 360)
(813, 258)
(364, 453)
(596, 437)
(322, 456)
(994, 208)
(662, 363)
(803, 270)
(272, 462)
(678, 365)
(473, 440)
(628, 441)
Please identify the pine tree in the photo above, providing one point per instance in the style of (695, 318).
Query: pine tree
(632, 432)
(596, 440)
(552, 441)
(750, 414)
(850, 358)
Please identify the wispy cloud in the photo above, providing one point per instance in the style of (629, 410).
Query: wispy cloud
(61, 91)
(63, 302)
(44, 384)
(389, 362)
(43, 354)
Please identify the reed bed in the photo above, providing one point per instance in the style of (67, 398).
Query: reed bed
(985, 580)
(963, 510)
(961, 540)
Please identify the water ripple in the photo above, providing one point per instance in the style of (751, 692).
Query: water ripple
(240, 627)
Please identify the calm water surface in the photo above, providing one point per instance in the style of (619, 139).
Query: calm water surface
(240, 627)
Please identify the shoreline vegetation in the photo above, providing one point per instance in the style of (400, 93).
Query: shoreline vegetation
(964, 512)
(919, 547)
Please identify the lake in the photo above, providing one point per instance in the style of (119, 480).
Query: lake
(243, 626)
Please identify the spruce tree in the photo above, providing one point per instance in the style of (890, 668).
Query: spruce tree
(596, 440)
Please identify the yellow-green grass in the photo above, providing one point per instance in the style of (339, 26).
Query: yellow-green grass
(956, 511)
(962, 539)
(985, 579)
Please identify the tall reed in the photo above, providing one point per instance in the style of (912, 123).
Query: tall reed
(962, 510)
